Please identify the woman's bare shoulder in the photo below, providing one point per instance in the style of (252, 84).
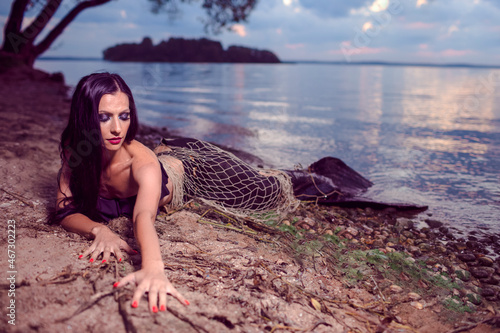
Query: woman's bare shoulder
(141, 155)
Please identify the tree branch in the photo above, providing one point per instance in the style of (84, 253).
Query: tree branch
(45, 44)
(14, 23)
(34, 29)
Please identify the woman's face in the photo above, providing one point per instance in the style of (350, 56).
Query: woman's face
(114, 116)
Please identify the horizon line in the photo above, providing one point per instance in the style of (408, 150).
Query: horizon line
(323, 62)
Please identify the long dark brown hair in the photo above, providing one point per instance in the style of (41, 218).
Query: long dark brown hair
(81, 146)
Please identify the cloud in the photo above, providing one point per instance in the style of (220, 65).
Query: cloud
(333, 9)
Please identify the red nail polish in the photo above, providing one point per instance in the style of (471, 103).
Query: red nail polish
(103, 261)
(91, 260)
(81, 256)
(134, 304)
(120, 259)
(155, 309)
(116, 284)
(162, 308)
(135, 252)
(186, 301)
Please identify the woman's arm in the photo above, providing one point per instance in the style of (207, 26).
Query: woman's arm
(151, 278)
(105, 241)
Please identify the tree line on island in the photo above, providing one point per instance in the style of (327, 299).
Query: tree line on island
(187, 50)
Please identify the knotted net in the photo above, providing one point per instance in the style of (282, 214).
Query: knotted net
(222, 180)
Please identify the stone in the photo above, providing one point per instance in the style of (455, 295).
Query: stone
(352, 231)
(481, 272)
(493, 280)
(474, 299)
(433, 224)
(414, 296)
(487, 292)
(395, 289)
(424, 247)
(463, 275)
(485, 261)
(417, 305)
(466, 257)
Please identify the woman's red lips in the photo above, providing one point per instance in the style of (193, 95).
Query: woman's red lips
(115, 141)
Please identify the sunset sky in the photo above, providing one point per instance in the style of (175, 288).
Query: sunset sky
(423, 31)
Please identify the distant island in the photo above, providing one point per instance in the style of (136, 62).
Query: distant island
(187, 50)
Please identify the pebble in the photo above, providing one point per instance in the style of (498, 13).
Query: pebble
(466, 257)
(417, 305)
(481, 272)
(474, 299)
(352, 231)
(463, 275)
(487, 292)
(493, 280)
(433, 223)
(485, 261)
(414, 296)
(395, 289)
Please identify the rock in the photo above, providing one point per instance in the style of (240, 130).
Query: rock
(403, 224)
(485, 261)
(433, 224)
(473, 245)
(424, 247)
(408, 234)
(352, 231)
(440, 249)
(415, 250)
(487, 292)
(466, 257)
(414, 296)
(474, 299)
(493, 280)
(463, 275)
(481, 272)
(328, 232)
(395, 289)
(417, 305)
(286, 222)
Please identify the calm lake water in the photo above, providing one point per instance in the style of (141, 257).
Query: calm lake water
(423, 135)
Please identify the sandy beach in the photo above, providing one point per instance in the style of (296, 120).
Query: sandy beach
(331, 272)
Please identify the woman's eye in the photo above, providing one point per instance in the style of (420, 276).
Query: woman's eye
(125, 116)
(103, 118)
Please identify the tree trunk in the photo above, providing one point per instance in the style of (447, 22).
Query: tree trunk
(19, 46)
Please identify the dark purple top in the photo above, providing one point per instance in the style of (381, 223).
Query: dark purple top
(108, 209)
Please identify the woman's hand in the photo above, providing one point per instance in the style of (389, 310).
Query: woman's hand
(152, 280)
(106, 242)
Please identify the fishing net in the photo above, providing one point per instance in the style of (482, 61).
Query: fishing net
(223, 181)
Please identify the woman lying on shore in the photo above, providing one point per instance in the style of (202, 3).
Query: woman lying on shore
(105, 173)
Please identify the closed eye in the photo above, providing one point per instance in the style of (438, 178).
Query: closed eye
(103, 117)
(125, 116)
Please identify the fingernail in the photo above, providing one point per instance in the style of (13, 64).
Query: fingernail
(155, 309)
(103, 261)
(186, 301)
(134, 304)
(120, 259)
(81, 256)
(91, 260)
(162, 308)
(135, 252)
(116, 284)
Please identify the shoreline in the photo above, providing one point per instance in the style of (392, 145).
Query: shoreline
(35, 109)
